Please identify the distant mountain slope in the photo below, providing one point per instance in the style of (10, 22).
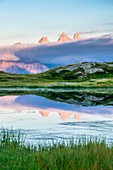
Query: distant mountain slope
(17, 67)
(16, 70)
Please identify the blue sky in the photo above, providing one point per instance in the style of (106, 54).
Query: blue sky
(27, 20)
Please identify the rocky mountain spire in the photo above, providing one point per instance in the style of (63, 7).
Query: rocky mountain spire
(43, 40)
(64, 38)
(76, 36)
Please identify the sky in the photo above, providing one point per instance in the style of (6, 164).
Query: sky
(26, 21)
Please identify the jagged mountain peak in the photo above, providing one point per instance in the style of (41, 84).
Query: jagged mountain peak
(76, 36)
(64, 37)
(44, 40)
(63, 34)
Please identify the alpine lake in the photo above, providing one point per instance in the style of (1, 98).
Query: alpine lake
(46, 114)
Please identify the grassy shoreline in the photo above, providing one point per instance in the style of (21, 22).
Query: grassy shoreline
(76, 86)
(84, 155)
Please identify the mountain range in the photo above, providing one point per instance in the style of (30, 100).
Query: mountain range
(63, 38)
(11, 64)
(17, 67)
(35, 58)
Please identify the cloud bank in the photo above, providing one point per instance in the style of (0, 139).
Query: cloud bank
(100, 49)
(95, 49)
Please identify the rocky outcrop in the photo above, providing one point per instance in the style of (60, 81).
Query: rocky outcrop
(82, 69)
(88, 68)
(43, 40)
(17, 67)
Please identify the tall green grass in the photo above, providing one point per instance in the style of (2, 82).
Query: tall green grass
(84, 154)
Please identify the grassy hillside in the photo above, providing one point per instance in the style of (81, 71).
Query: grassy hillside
(75, 75)
(80, 71)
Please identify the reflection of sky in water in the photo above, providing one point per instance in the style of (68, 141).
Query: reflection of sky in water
(31, 102)
(43, 103)
(22, 112)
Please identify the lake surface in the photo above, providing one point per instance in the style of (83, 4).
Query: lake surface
(56, 115)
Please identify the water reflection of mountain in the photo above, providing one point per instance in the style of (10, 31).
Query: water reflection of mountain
(89, 97)
(38, 104)
(82, 98)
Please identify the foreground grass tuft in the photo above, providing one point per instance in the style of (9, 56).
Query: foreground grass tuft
(82, 155)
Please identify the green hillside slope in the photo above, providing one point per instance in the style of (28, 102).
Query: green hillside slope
(76, 75)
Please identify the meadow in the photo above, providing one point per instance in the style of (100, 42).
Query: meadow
(46, 80)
